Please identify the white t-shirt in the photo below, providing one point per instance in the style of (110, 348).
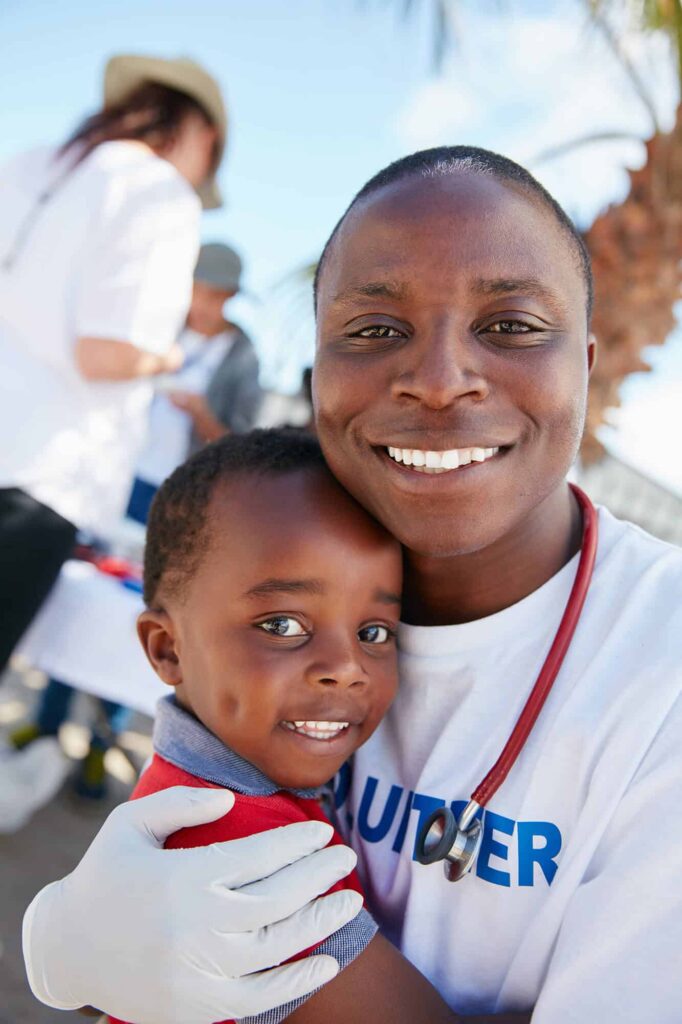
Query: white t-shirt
(576, 904)
(169, 432)
(110, 255)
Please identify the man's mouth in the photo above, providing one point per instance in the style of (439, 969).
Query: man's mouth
(440, 462)
(317, 730)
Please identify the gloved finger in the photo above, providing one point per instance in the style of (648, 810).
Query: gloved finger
(282, 894)
(281, 985)
(160, 814)
(238, 862)
(304, 929)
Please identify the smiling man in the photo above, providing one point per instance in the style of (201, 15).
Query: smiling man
(453, 306)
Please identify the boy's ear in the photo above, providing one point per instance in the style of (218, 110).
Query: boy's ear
(157, 636)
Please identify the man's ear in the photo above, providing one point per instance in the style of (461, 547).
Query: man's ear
(591, 352)
(157, 636)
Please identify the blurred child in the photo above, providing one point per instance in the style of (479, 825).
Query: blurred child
(216, 389)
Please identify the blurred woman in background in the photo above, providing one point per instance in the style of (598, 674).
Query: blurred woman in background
(98, 241)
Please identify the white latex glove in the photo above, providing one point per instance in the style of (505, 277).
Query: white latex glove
(160, 936)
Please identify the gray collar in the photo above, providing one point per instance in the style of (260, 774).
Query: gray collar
(182, 739)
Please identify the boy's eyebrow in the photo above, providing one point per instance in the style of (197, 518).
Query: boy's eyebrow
(281, 586)
(312, 586)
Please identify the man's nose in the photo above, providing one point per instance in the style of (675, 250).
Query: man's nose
(445, 366)
(336, 661)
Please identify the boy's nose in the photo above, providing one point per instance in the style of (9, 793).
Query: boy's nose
(337, 664)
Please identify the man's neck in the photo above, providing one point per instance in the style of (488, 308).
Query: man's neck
(462, 588)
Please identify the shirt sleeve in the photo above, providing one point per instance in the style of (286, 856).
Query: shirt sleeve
(136, 279)
(618, 951)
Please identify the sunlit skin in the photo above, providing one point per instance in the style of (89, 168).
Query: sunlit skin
(193, 150)
(207, 308)
(289, 616)
(452, 314)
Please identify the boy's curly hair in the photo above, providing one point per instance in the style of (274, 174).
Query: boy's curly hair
(177, 533)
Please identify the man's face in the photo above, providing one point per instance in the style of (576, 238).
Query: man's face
(206, 311)
(451, 319)
(283, 642)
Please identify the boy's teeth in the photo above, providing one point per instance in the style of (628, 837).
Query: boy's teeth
(440, 462)
(317, 730)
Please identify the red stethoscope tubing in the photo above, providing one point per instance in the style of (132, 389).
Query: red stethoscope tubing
(549, 671)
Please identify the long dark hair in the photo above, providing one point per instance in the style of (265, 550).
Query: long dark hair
(152, 113)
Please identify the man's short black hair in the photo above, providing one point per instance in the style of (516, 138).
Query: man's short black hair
(177, 530)
(444, 160)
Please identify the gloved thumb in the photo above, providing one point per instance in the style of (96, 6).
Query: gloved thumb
(161, 814)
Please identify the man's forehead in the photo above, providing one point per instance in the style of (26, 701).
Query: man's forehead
(391, 248)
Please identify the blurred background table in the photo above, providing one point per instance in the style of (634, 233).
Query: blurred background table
(85, 635)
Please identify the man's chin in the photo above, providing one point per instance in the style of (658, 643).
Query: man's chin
(446, 537)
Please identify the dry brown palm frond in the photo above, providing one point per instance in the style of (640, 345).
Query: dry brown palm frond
(636, 249)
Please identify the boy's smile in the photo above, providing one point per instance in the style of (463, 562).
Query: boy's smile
(283, 641)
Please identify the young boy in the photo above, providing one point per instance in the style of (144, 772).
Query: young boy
(272, 605)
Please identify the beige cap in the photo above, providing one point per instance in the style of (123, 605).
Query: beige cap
(127, 72)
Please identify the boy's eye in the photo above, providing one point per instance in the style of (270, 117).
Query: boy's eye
(374, 634)
(282, 625)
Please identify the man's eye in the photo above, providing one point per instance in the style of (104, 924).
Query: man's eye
(374, 634)
(282, 625)
(378, 331)
(509, 327)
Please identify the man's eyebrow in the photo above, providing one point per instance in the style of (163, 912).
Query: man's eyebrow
(281, 586)
(373, 290)
(386, 597)
(507, 285)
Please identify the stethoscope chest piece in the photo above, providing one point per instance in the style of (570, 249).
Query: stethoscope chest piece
(441, 837)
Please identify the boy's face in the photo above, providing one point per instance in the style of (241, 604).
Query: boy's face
(451, 319)
(282, 642)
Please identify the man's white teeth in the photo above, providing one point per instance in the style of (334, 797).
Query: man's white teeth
(317, 730)
(440, 462)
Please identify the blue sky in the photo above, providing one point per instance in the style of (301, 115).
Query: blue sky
(322, 93)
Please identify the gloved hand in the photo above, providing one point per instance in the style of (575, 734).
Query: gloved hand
(187, 936)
